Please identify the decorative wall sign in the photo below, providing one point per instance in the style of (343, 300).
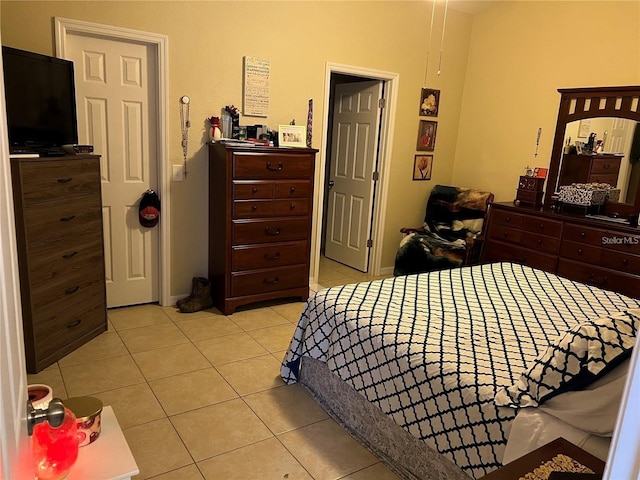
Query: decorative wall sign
(422, 167)
(429, 102)
(427, 136)
(256, 87)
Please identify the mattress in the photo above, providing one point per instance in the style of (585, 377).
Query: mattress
(431, 350)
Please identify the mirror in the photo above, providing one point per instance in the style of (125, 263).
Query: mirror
(619, 155)
(603, 108)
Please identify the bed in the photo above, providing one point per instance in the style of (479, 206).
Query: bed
(413, 365)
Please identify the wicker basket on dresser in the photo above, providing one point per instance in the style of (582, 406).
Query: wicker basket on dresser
(260, 206)
(596, 252)
(58, 214)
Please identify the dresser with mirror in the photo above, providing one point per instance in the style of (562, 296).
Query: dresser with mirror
(602, 249)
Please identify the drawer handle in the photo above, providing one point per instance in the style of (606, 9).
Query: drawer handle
(67, 256)
(625, 262)
(598, 281)
(270, 282)
(542, 226)
(254, 207)
(68, 218)
(275, 256)
(274, 169)
(74, 324)
(505, 234)
(583, 235)
(606, 166)
(65, 180)
(71, 290)
(254, 190)
(292, 206)
(293, 189)
(267, 231)
(508, 219)
(539, 241)
(579, 251)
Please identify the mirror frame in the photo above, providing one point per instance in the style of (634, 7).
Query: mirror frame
(593, 102)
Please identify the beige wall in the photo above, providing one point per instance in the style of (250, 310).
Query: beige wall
(520, 54)
(207, 41)
(500, 74)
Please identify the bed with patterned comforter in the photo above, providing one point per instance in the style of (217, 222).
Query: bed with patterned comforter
(432, 350)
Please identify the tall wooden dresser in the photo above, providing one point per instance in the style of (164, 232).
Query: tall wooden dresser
(260, 206)
(58, 214)
(597, 252)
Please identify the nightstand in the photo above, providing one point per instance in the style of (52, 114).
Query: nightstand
(557, 452)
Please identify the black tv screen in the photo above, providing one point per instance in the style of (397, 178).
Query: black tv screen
(41, 101)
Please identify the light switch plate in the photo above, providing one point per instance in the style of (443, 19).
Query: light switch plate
(178, 173)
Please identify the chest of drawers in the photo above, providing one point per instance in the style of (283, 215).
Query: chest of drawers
(598, 253)
(58, 213)
(603, 168)
(260, 206)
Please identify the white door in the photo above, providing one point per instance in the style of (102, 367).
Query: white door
(354, 145)
(619, 141)
(15, 448)
(115, 91)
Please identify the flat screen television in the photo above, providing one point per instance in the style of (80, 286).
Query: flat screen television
(41, 102)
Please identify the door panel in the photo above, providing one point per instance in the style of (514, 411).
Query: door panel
(115, 87)
(356, 121)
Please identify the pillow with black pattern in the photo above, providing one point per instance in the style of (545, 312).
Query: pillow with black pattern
(574, 360)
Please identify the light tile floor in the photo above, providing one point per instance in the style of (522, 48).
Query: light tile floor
(199, 396)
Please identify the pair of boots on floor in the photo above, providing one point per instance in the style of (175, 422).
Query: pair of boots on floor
(200, 298)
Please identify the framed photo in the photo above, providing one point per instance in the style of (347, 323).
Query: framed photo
(292, 135)
(422, 167)
(429, 102)
(427, 136)
(584, 128)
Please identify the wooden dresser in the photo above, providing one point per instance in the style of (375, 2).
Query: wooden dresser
(260, 205)
(58, 213)
(596, 252)
(603, 168)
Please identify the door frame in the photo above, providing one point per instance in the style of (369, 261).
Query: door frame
(391, 82)
(160, 48)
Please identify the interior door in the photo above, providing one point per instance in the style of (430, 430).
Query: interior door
(354, 145)
(115, 88)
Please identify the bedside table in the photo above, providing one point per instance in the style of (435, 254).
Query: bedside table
(557, 450)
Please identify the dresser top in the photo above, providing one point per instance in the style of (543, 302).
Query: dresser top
(248, 147)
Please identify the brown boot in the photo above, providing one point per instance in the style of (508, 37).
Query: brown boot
(201, 297)
(194, 290)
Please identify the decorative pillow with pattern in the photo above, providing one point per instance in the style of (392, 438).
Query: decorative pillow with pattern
(574, 360)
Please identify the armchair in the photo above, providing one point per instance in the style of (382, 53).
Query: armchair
(451, 235)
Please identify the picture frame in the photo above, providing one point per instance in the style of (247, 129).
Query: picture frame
(429, 102)
(422, 165)
(292, 135)
(584, 128)
(427, 136)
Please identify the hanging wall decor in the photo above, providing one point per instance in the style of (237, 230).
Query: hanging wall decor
(422, 165)
(429, 102)
(426, 136)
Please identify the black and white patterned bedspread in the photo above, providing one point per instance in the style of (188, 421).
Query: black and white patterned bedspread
(431, 350)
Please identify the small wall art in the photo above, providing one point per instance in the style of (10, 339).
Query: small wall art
(427, 136)
(429, 102)
(422, 167)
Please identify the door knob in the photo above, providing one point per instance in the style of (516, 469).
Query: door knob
(54, 414)
(331, 184)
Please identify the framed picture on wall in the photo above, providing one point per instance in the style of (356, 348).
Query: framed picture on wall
(427, 136)
(429, 102)
(422, 167)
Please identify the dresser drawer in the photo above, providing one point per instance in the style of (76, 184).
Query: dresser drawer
(252, 208)
(268, 280)
(247, 257)
(45, 222)
(47, 180)
(59, 328)
(272, 166)
(505, 233)
(501, 217)
(621, 261)
(581, 252)
(268, 231)
(293, 189)
(608, 178)
(605, 165)
(243, 190)
(59, 293)
(540, 242)
(50, 260)
(544, 226)
(299, 206)
(586, 235)
(622, 242)
(600, 277)
(503, 252)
